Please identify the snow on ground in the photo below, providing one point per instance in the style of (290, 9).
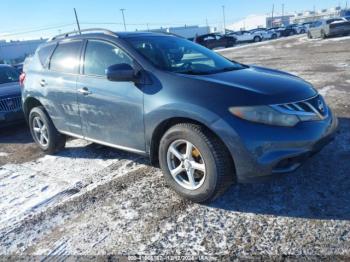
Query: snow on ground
(51, 179)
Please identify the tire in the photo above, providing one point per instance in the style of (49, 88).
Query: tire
(302, 31)
(323, 35)
(213, 156)
(54, 141)
(309, 35)
(257, 39)
(274, 36)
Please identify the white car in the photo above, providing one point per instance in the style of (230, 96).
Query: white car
(266, 34)
(247, 36)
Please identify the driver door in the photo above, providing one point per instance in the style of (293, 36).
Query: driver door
(111, 112)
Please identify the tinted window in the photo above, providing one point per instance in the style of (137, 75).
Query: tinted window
(100, 55)
(181, 56)
(8, 75)
(209, 37)
(66, 57)
(45, 53)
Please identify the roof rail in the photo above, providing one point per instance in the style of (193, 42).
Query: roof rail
(64, 35)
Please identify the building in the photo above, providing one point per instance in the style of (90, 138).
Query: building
(16, 51)
(278, 20)
(309, 16)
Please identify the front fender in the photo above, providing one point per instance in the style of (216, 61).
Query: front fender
(156, 117)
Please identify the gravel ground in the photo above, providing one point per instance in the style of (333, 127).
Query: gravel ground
(92, 200)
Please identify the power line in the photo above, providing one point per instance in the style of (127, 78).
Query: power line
(35, 30)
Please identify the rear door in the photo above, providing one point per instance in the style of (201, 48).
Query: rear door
(111, 112)
(59, 86)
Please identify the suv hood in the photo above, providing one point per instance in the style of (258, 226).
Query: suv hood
(10, 89)
(263, 85)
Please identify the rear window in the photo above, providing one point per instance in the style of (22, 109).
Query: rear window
(44, 54)
(8, 75)
(66, 57)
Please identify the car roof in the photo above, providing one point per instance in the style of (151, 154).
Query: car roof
(86, 33)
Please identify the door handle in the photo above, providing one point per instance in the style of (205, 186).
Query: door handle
(43, 83)
(84, 91)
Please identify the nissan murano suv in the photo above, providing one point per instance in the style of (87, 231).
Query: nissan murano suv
(207, 121)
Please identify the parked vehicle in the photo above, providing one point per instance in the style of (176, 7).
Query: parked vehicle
(10, 96)
(307, 25)
(329, 27)
(288, 31)
(216, 40)
(347, 18)
(265, 33)
(207, 121)
(247, 36)
(276, 30)
(19, 67)
(299, 29)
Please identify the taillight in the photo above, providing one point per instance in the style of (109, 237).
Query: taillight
(22, 77)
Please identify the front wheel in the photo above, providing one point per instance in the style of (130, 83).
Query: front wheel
(195, 163)
(257, 39)
(44, 132)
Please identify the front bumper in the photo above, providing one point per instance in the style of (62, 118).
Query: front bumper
(260, 151)
(9, 118)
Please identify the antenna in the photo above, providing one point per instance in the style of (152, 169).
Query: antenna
(122, 10)
(77, 20)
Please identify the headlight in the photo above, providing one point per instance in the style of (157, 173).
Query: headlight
(265, 115)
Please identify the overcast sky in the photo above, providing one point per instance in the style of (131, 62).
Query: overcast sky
(25, 19)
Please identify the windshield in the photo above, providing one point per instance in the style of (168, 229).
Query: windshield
(8, 75)
(181, 56)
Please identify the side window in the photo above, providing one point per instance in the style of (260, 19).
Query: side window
(209, 37)
(66, 57)
(44, 54)
(100, 55)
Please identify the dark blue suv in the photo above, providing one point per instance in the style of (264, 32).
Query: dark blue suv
(206, 120)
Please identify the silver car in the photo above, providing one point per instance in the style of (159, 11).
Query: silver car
(329, 27)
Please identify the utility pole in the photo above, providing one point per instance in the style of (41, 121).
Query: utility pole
(223, 14)
(77, 20)
(272, 14)
(314, 13)
(122, 10)
(282, 10)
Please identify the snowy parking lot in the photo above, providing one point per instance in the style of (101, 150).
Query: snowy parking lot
(93, 200)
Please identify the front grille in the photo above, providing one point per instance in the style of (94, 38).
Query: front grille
(10, 104)
(315, 105)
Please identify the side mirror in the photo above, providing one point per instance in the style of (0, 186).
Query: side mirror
(120, 73)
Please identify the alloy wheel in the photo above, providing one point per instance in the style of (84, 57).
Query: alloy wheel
(186, 164)
(40, 131)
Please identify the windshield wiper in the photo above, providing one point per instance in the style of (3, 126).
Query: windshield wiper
(192, 72)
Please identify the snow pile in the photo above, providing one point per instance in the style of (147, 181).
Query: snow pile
(250, 22)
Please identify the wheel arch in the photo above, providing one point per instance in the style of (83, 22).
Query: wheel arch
(29, 103)
(165, 125)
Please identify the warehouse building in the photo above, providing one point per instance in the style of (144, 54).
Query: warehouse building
(310, 16)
